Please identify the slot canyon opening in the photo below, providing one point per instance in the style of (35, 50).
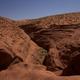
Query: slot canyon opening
(5, 59)
(72, 69)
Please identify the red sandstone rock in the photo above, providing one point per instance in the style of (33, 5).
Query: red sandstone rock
(60, 39)
(16, 46)
(24, 72)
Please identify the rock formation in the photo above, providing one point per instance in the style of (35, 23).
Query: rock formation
(61, 41)
(15, 44)
(40, 49)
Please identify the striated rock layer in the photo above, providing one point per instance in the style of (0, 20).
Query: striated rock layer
(61, 41)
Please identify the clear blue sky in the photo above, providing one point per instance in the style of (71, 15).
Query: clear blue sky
(20, 9)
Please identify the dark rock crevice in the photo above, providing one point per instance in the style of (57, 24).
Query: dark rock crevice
(5, 59)
(73, 68)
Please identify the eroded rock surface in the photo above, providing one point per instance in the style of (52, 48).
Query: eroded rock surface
(61, 41)
(16, 46)
(58, 54)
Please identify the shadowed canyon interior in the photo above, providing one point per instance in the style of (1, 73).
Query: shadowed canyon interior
(5, 59)
(48, 37)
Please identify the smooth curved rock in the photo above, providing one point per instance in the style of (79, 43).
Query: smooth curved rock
(24, 72)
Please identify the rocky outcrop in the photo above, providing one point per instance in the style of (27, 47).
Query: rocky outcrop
(13, 38)
(61, 42)
(16, 46)
(61, 19)
(40, 49)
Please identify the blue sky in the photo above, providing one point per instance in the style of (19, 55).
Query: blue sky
(30, 9)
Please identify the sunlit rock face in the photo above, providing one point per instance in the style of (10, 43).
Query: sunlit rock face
(16, 46)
